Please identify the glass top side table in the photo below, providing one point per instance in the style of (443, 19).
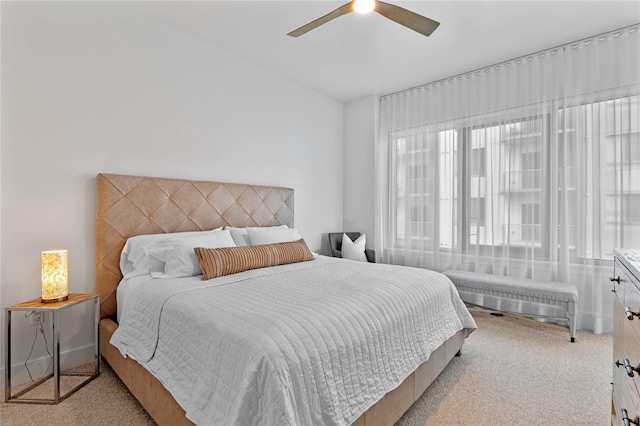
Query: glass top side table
(55, 309)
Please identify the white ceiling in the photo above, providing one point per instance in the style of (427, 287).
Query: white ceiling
(359, 55)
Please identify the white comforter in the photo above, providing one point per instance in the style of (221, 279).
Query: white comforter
(312, 343)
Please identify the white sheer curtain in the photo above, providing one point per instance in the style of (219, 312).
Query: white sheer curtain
(528, 168)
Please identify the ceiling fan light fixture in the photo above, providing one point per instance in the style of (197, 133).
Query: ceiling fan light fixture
(412, 20)
(364, 6)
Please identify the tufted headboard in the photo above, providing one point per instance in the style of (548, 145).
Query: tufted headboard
(133, 205)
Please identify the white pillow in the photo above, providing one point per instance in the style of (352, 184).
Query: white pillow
(259, 236)
(135, 261)
(354, 250)
(178, 257)
(241, 235)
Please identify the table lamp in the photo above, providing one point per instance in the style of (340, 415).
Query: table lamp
(55, 281)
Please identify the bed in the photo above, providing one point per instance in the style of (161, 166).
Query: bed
(127, 206)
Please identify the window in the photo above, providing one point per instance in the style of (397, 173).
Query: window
(478, 162)
(447, 142)
(511, 185)
(530, 165)
(599, 141)
(631, 212)
(531, 223)
(477, 211)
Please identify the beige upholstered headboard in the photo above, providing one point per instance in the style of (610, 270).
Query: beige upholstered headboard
(133, 205)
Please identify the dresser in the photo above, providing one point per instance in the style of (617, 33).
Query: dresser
(625, 397)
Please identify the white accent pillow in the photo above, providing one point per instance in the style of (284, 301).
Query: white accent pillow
(178, 257)
(258, 236)
(241, 235)
(354, 250)
(135, 261)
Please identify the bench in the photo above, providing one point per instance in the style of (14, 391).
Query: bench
(517, 295)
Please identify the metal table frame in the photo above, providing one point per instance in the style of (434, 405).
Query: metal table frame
(55, 309)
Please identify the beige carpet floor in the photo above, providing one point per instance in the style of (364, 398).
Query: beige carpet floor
(513, 371)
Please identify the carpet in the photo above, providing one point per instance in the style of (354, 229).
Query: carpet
(513, 371)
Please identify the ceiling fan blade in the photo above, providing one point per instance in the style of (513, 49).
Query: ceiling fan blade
(405, 17)
(342, 10)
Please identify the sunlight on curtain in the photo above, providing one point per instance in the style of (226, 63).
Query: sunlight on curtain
(529, 168)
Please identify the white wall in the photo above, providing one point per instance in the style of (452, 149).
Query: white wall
(90, 87)
(360, 130)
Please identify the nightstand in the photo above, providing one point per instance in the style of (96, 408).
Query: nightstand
(55, 309)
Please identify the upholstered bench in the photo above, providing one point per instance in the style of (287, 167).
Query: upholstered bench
(522, 296)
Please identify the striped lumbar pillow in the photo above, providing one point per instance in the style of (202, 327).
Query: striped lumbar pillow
(217, 262)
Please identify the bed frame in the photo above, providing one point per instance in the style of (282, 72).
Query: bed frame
(133, 205)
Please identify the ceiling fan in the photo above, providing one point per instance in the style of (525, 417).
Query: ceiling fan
(405, 17)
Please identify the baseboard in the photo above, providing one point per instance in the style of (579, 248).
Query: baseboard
(68, 359)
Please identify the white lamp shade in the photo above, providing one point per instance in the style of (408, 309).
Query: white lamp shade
(55, 276)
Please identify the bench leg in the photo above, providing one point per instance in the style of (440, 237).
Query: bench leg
(572, 321)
